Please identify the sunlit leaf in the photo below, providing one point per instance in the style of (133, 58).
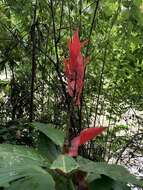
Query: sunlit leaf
(65, 163)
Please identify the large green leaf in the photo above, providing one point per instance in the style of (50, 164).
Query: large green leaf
(11, 155)
(65, 164)
(55, 135)
(96, 169)
(35, 179)
(16, 160)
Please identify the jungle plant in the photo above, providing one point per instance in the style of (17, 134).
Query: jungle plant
(54, 163)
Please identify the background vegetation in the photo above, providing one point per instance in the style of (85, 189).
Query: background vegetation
(33, 44)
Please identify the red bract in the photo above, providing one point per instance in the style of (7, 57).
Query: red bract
(74, 69)
(84, 136)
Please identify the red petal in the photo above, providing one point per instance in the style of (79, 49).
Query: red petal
(90, 133)
(85, 135)
(74, 45)
(75, 50)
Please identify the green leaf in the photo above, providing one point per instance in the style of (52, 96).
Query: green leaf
(120, 186)
(65, 164)
(36, 179)
(11, 155)
(106, 183)
(47, 147)
(55, 135)
(96, 169)
(15, 159)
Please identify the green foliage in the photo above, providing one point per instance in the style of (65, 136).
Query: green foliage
(113, 84)
(25, 168)
(47, 147)
(115, 172)
(35, 178)
(55, 135)
(18, 162)
(64, 163)
(106, 183)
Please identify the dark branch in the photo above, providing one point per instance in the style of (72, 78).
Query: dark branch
(33, 71)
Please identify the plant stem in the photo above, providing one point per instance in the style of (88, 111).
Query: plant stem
(33, 70)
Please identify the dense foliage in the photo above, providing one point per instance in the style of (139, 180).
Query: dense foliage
(33, 87)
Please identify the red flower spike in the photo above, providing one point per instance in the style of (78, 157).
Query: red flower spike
(84, 136)
(74, 69)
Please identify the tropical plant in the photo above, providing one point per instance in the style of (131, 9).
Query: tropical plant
(67, 96)
(47, 167)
